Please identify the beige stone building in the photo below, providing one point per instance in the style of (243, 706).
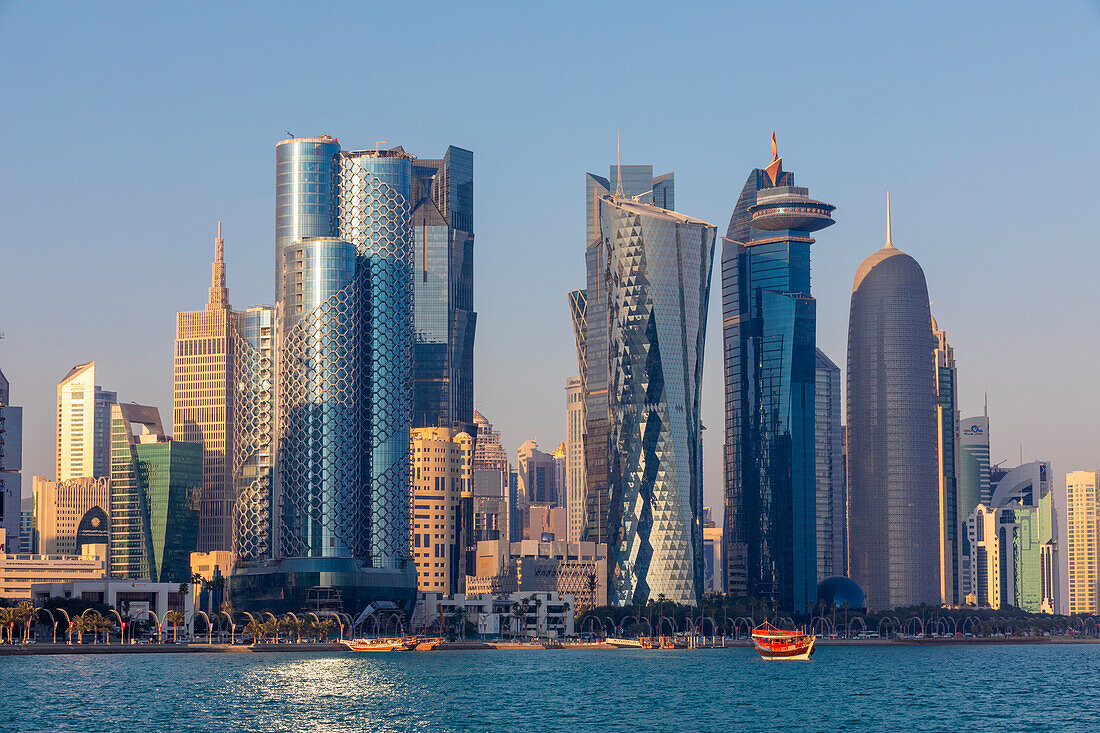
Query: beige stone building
(575, 568)
(1082, 530)
(201, 410)
(67, 511)
(19, 571)
(442, 467)
(574, 458)
(83, 425)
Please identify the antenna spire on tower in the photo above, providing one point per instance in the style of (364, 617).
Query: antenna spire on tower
(619, 164)
(219, 293)
(889, 232)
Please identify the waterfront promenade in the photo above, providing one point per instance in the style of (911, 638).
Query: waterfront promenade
(340, 647)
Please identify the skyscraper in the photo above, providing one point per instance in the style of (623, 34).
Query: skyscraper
(770, 333)
(252, 352)
(442, 461)
(832, 497)
(635, 181)
(947, 422)
(1083, 541)
(201, 408)
(574, 457)
(648, 275)
(493, 494)
(343, 347)
(893, 496)
(11, 463)
(155, 487)
(972, 487)
(83, 425)
(443, 289)
(1013, 542)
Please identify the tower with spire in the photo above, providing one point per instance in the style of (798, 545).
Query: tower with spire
(769, 335)
(894, 547)
(202, 401)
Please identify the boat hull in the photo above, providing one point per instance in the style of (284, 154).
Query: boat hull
(796, 652)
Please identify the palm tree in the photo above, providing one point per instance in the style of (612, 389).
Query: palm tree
(7, 617)
(520, 615)
(254, 628)
(538, 623)
(175, 618)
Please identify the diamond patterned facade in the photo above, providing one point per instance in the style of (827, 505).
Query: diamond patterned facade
(252, 346)
(656, 280)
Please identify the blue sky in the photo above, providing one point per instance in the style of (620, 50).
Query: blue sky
(128, 130)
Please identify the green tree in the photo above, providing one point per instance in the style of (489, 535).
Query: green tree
(175, 618)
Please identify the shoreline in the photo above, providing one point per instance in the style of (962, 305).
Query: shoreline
(49, 649)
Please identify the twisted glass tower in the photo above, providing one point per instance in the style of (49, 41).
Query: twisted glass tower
(640, 327)
(769, 330)
(893, 489)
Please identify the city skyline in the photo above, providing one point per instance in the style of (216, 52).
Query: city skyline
(969, 265)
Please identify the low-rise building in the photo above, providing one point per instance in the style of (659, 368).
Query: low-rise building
(546, 614)
(575, 568)
(18, 572)
(131, 598)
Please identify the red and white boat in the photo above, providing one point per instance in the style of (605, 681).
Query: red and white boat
(384, 645)
(775, 643)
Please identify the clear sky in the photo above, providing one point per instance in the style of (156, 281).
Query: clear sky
(127, 130)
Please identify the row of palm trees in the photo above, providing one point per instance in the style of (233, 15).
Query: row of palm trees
(290, 628)
(16, 616)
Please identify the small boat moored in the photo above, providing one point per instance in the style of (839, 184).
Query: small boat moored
(775, 643)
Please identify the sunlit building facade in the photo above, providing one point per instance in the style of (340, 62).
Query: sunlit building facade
(947, 423)
(68, 514)
(1082, 539)
(769, 330)
(202, 407)
(893, 494)
(972, 487)
(648, 279)
(574, 457)
(442, 466)
(83, 425)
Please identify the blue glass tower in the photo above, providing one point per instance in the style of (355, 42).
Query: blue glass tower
(769, 333)
(343, 384)
(443, 290)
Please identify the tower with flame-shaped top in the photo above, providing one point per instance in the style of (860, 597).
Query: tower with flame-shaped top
(769, 321)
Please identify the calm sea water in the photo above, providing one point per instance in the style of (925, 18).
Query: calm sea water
(956, 688)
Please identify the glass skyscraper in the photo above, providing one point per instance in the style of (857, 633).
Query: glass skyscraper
(443, 290)
(640, 327)
(893, 494)
(947, 417)
(154, 498)
(343, 382)
(769, 332)
(832, 495)
(972, 486)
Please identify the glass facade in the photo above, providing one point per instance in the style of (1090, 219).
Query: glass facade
(443, 273)
(305, 193)
(952, 522)
(321, 401)
(374, 209)
(832, 497)
(648, 281)
(769, 334)
(253, 457)
(893, 494)
(971, 485)
(154, 498)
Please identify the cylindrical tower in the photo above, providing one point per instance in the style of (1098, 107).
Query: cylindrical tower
(305, 193)
(321, 401)
(374, 215)
(893, 501)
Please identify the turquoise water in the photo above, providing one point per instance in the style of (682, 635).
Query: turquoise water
(991, 688)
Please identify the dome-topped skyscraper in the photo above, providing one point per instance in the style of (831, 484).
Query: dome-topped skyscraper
(893, 503)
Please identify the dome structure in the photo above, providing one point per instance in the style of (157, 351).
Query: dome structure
(839, 590)
(893, 491)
